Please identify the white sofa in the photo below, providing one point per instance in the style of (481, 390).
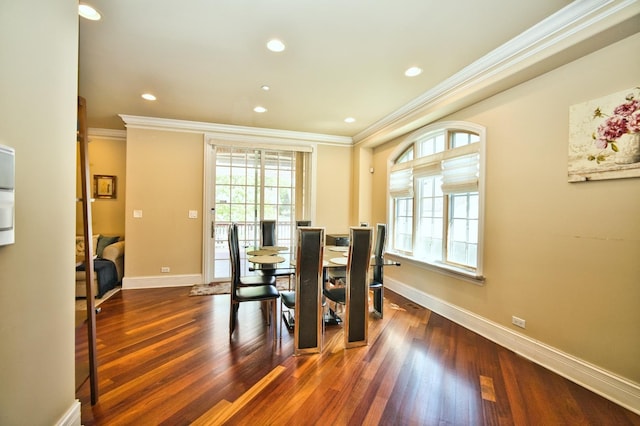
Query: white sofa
(113, 251)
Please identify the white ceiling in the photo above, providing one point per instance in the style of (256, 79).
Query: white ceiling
(206, 60)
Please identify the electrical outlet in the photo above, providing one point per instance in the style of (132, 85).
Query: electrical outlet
(519, 322)
(165, 269)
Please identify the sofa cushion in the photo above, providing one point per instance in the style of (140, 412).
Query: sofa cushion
(104, 241)
(80, 245)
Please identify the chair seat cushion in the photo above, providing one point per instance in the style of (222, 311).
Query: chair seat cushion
(252, 280)
(336, 294)
(288, 299)
(261, 292)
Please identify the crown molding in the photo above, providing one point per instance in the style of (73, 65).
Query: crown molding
(503, 67)
(120, 135)
(138, 122)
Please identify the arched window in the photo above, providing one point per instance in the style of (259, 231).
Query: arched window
(436, 197)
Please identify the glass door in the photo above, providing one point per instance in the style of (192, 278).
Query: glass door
(250, 185)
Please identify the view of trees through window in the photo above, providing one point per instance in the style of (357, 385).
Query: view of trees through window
(252, 185)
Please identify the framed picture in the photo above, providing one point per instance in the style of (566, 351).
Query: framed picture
(604, 137)
(104, 186)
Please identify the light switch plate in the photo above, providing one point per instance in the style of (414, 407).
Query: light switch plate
(137, 213)
(193, 214)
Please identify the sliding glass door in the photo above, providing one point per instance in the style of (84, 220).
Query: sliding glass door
(250, 185)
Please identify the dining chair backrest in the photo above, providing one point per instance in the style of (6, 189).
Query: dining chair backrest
(267, 233)
(234, 256)
(357, 291)
(300, 223)
(378, 252)
(308, 312)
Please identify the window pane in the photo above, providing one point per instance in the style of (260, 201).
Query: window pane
(459, 139)
(459, 206)
(473, 205)
(407, 155)
(223, 194)
(463, 233)
(250, 194)
(270, 212)
(458, 253)
(403, 229)
(237, 212)
(250, 214)
(431, 144)
(222, 175)
(253, 176)
(237, 194)
(284, 213)
(223, 213)
(284, 178)
(284, 196)
(458, 230)
(239, 176)
(472, 255)
(271, 195)
(271, 177)
(473, 231)
(438, 209)
(429, 236)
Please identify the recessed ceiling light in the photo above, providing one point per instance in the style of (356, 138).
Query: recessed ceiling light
(413, 71)
(265, 88)
(260, 109)
(275, 45)
(148, 97)
(88, 12)
(349, 120)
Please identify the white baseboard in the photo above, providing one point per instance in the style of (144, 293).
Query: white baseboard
(615, 388)
(159, 281)
(72, 416)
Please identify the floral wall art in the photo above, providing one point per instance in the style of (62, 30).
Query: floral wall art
(604, 137)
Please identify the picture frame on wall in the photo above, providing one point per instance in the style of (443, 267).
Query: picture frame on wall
(604, 137)
(105, 186)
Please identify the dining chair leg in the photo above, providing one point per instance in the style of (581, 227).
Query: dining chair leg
(274, 323)
(281, 319)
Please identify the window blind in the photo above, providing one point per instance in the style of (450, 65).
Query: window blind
(401, 183)
(460, 174)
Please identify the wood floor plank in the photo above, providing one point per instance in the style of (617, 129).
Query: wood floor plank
(167, 358)
(219, 417)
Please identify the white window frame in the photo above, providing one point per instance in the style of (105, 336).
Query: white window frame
(424, 166)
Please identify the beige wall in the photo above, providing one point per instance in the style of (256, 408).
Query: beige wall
(106, 157)
(563, 256)
(362, 186)
(164, 180)
(334, 188)
(38, 82)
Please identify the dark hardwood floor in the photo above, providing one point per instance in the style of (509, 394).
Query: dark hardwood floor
(166, 358)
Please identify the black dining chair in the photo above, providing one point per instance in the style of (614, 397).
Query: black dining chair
(268, 233)
(268, 239)
(248, 288)
(377, 283)
(306, 300)
(355, 294)
(300, 223)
